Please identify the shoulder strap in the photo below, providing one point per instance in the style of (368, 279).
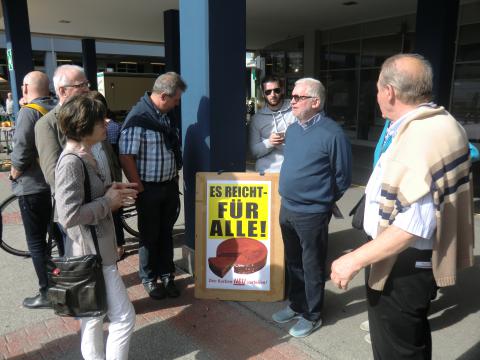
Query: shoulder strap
(37, 107)
(88, 198)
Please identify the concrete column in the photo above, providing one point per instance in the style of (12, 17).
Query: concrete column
(436, 29)
(89, 59)
(212, 56)
(311, 54)
(171, 25)
(19, 45)
(50, 66)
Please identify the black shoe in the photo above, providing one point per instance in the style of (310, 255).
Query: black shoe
(170, 287)
(154, 291)
(40, 301)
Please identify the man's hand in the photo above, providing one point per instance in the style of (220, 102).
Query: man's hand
(14, 173)
(344, 270)
(276, 138)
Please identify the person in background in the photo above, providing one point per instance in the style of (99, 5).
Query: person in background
(9, 104)
(113, 135)
(113, 131)
(418, 212)
(82, 120)
(28, 182)
(150, 155)
(268, 126)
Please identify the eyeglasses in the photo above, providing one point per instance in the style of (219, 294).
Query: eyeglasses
(78, 86)
(298, 98)
(276, 91)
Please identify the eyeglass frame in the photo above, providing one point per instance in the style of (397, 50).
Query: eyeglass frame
(299, 98)
(78, 86)
(275, 90)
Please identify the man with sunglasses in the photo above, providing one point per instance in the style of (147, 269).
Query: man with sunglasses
(268, 127)
(315, 174)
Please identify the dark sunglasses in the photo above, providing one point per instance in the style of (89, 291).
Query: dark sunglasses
(276, 91)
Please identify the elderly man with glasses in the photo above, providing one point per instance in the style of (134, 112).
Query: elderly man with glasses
(68, 80)
(268, 126)
(315, 174)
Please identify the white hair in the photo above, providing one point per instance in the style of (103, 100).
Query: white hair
(314, 88)
(63, 74)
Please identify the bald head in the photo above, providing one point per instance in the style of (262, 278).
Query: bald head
(411, 75)
(35, 85)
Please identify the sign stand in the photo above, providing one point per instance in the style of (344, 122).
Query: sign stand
(238, 243)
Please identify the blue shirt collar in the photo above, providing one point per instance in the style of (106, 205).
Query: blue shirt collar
(312, 121)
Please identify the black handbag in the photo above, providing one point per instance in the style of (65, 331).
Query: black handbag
(76, 284)
(358, 213)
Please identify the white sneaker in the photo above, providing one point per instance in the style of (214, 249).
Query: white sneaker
(365, 326)
(367, 338)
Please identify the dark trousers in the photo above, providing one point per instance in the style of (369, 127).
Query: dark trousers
(36, 210)
(305, 237)
(156, 208)
(399, 327)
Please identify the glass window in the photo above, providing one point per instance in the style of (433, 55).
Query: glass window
(342, 98)
(295, 62)
(466, 98)
(344, 55)
(275, 61)
(290, 86)
(324, 57)
(469, 43)
(376, 50)
(370, 121)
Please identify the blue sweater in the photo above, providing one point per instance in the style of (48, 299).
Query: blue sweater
(317, 167)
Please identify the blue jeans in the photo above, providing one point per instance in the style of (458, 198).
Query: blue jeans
(156, 208)
(305, 237)
(36, 210)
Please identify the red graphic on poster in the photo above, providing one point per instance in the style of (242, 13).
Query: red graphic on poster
(245, 255)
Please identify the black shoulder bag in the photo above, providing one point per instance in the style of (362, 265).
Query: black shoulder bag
(76, 284)
(358, 213)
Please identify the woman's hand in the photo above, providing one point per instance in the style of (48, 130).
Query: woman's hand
(121, 194)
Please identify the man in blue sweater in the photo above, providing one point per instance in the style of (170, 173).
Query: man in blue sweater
(315, 173)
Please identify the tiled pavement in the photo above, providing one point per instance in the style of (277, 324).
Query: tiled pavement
(214, 329)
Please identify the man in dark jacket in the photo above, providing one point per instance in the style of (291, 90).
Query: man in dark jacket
(28, 182)
(150, 156)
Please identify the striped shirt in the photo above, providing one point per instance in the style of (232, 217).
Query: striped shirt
(113, 131)
(155, 163)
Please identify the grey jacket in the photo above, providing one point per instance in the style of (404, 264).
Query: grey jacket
(50, 142)
(25, 156)
(263, 124)
(75, 216)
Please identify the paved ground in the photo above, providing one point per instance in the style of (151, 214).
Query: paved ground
(189, 328)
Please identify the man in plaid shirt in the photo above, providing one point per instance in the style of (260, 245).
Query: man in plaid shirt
(151, 157)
